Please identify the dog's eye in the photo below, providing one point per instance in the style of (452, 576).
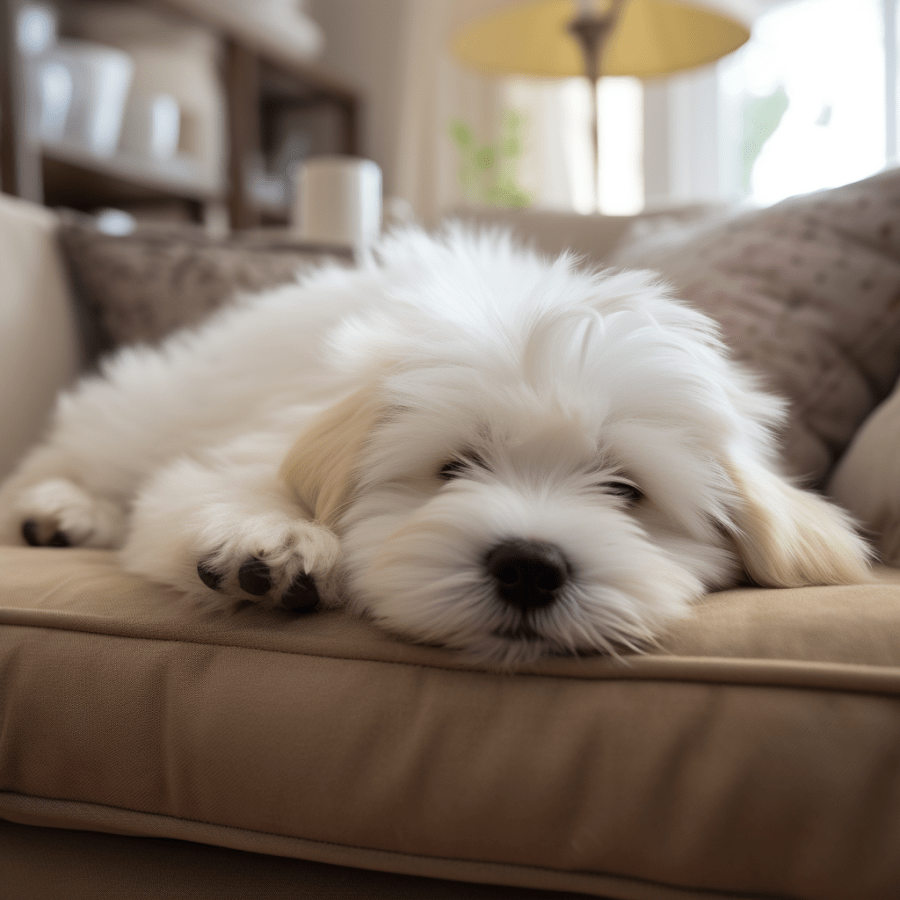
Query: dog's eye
(453, 469)
(460, 465)
(624, 489)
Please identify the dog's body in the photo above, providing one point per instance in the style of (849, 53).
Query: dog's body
(473, 445)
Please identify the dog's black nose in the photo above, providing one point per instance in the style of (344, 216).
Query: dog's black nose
(527, 574)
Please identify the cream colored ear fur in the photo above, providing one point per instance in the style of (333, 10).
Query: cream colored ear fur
(787, 537)
(319, 468)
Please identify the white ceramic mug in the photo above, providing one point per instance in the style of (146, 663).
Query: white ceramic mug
(338, 201)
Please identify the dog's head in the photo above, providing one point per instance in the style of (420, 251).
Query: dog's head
(541, 459)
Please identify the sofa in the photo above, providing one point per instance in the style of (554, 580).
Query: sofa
(151, 749)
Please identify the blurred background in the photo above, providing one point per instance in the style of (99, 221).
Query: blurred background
(201, 110)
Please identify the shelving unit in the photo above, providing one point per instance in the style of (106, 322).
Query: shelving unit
(258, 88)
(261, 79)
(74, 177)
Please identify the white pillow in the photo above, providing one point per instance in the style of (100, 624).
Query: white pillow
(867, 479)
(40, 350)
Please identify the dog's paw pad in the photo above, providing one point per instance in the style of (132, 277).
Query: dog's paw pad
(211, 577)
(258, 579)
(37, 536)
(255, 577)
(272, 562)
(59, 513)
(301, 594)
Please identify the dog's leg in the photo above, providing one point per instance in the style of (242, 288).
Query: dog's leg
(52, 501)
(111, 433)
(105, 437)
(225, 527)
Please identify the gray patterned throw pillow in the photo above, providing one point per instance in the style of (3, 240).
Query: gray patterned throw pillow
(808, 294)
(141, 286)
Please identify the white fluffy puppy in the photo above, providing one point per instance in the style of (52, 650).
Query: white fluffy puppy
(473, 445)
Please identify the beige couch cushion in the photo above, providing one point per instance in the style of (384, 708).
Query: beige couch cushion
(755, 753)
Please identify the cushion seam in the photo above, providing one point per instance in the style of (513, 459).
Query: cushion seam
(604, 677)
(421, 856)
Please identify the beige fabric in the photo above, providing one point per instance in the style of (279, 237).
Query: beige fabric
(867, 478)
(808, 293)
(39, 342)
(753, 753)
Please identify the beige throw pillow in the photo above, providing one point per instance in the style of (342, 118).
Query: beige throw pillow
(867, 478)
(39, 339)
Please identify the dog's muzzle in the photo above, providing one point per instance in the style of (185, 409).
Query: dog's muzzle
(527, 574)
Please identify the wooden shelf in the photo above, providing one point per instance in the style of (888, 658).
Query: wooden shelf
(262, 76)
(291, 42)
(75, 177)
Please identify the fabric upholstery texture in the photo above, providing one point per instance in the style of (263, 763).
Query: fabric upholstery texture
(140, 287)
(753, 753)
(808, 294)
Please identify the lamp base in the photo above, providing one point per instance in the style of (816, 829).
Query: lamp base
(592, 33)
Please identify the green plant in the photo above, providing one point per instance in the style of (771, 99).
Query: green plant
(762, 116)
(488, 172)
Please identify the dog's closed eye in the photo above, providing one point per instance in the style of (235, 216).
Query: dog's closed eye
(630, 493)
(457, 467)
(452, 469)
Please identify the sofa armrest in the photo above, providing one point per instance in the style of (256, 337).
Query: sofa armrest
(40, 342)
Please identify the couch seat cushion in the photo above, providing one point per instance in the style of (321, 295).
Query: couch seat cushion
(755, 752)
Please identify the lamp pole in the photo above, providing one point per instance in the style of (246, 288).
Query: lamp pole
(592, 30)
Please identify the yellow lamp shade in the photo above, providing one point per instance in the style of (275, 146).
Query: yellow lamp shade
(652, 37)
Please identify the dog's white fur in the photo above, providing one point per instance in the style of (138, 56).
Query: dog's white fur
(308, 428)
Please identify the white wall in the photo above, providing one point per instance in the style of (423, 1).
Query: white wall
(364, 46)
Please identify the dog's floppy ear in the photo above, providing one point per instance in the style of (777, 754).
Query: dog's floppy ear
(787, 537)
(319, 468)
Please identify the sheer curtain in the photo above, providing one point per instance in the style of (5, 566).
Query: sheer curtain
(437, 91)
(663, 142)
(817, 89)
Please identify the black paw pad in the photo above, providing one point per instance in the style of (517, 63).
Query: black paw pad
(31, 532)
(209, 576)
(301, 594)
(254, 577)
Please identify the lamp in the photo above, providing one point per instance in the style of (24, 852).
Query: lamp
(562, 38)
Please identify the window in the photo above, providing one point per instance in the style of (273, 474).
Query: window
(557, 165)
(809, 102)
(813, 96)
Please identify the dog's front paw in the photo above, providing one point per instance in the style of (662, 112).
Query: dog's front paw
(273, 561)
(59, 513)
(257, 578)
